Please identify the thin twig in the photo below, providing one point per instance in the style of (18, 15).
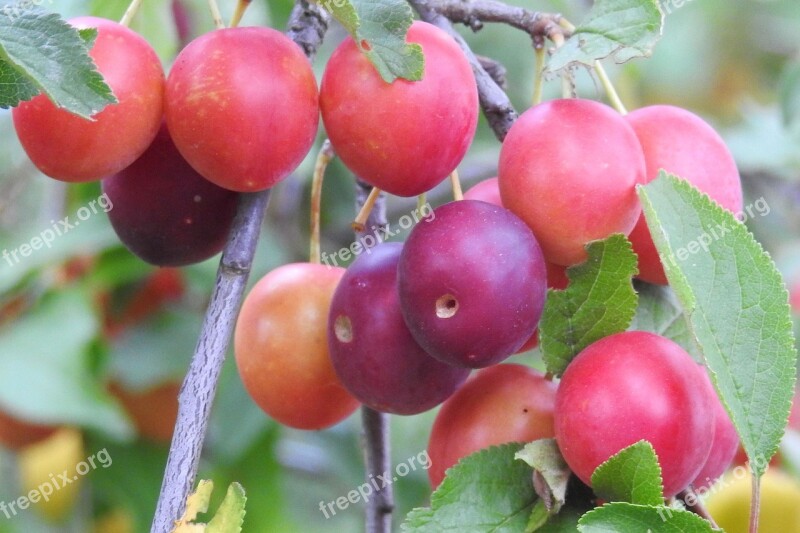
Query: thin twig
(494, 101)
(307, 26)
(375, 425)
(474, 13)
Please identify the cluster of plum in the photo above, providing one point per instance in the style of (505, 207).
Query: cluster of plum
(402, 327)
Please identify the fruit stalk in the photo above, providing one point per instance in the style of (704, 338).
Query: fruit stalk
(307, 26)
(697, 507)
(755, 503)
(324, 157)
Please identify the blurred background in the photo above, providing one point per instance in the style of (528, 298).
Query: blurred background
(95, 342)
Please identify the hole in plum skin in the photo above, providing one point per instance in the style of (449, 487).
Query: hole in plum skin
(343, 329)
(446, 306)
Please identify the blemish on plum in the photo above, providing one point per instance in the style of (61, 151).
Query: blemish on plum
(446, 306)
(343, 329)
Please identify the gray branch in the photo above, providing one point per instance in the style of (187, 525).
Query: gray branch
(307, 26)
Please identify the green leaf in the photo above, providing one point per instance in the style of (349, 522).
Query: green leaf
(230, 514)
(736, 304)
(45, 371)
(660, 312)
(40, 52)
(550, 478)
(623, 517)
(379, 29)
(486, 491)
(623, 29)
(598, 302)
(632, 475)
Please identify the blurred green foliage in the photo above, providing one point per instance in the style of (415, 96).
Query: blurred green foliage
(736, 62)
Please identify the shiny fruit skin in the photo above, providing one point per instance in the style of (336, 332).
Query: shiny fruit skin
(629, 387)
(16, 434)
(154, 410)
(372, 350)
(404, 137)
(281, 347)
(683, 144)
(780, 503)
(69, 148)
(472, 283)
(242, 107)
(569, 169)
(165, 212)
(724, 445)
(487, 191)
(503, 403)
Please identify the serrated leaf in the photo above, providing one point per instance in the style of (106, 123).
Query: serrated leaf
(736, 305)
(551, 473)
(660, 312)
(623, 29)
(49, 56)
(45, 374)
(230, 514)
(379, 29)
(599, 301)
(626, 517)
(632, 475)
(486, 491)
(196, 503)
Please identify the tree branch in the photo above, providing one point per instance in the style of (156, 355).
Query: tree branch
(375, 425)
(474, 13)
(307, 26)
(494, 101)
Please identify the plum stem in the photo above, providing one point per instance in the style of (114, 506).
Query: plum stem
(241, 7)
(215, 14)
(324, 157)
(697, 507)
(455, 182)
(360, 222)
(538, 80)
(133, 8)
(609, 88)
(307, 27)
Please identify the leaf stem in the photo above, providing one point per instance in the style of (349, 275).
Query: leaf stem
(133, 8)
(455, 182)
(241, 7)
(324, 157)
(359, 224)
(215, 14)
(609, 88)
(755, 502)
